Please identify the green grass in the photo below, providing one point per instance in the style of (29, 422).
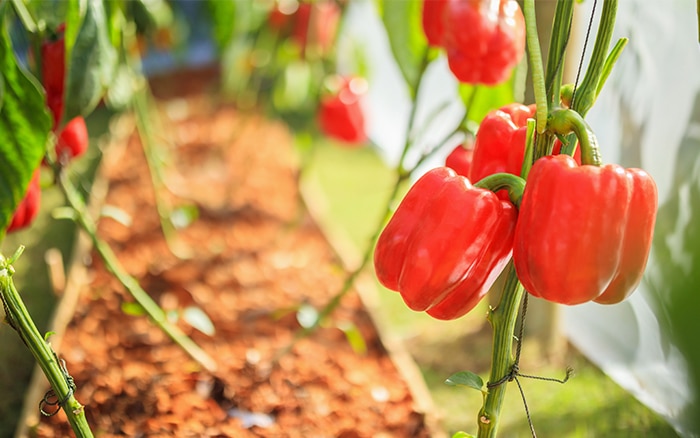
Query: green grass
(354, 186)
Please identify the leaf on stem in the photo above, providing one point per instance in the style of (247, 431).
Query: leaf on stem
(466, 378)
(402, 20)
(24, 128)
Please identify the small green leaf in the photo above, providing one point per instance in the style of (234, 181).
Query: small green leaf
(402, 20)
(117, 214)
(462, 434)
(91, 63)
(486, 98)
(47, 335)
(466, 378)
(354, 337)
(196, 317)
(133, 309)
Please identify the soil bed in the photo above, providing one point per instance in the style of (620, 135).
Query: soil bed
(254, 253)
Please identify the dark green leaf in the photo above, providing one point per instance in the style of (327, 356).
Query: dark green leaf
(24, 128)
(402, 20)
(91, 65)
(466, 378)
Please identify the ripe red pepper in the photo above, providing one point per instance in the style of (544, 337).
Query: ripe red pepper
(500, 143)
(53, 72)
(340, 114)
(433, 26)
(29, 206)
(484, 39)
(73, 140)
(445, 245)
(584, 232)
(460, 159)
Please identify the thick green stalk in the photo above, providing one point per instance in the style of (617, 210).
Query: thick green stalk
(503, 319)
(18, 318)
(151, 308)
(504, 181)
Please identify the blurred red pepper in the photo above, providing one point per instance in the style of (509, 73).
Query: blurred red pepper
(340, 114)
(53, 72)
(460, 159)
(584, 232)
(73, 140)
(29, 206)
(484, 39)
(500, 143)
(445, 245)
(433, 26)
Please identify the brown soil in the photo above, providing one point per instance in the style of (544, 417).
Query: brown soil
(255, 254)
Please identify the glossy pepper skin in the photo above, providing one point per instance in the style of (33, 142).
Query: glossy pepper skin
(29, 206)
(484, 39)
(584, 232)
(341, 115)
(445, 245)
(500, 143)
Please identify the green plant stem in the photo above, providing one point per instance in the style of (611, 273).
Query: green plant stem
(586, 93)
(143, 110)
(152, 309)
(503, 320)
(538, 81)
(498, 181)
(18, 318)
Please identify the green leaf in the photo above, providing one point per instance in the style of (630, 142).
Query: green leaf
(354, 337)
(91, 63)
(402, 20)
(196, 317)
(462, 434)
(47, 335)
(24, 128)
(466, 378)
(133, 308)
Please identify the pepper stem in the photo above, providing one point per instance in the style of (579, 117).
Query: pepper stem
(565, 121)
(503, 319)
(499, 181)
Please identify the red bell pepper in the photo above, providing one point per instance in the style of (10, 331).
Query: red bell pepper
(29, 206)
(460, 159)
(340, 114)
(445, 245)
(584, 232)
(484, 39)
(73, 140)
(53, 72)
(433, 26)
(500, 143)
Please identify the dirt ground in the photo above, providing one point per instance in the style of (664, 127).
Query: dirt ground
(255, 254)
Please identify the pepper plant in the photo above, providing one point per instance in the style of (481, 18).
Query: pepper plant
(428, 248)
(74, 56)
